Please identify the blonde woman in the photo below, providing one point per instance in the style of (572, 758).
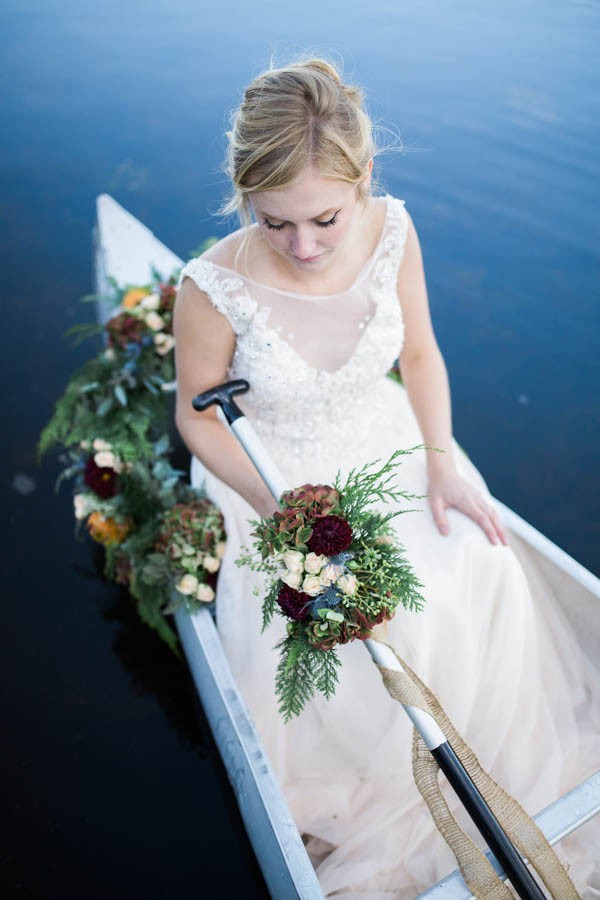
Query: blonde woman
(311, 300)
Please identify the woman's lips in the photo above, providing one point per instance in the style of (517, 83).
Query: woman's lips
(308, 259)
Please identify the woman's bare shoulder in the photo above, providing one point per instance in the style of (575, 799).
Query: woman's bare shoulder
(225, 252)
(222, 253)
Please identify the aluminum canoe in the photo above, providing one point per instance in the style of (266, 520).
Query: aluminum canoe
(126, 250)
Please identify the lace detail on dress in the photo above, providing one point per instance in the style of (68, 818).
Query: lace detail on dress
(228, 294)
(299, 409)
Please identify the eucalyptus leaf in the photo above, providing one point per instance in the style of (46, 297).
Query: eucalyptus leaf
(162, 445)
(333, 615)
(120, 395)
(150, 386)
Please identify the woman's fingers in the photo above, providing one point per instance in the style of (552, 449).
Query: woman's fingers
(487, 517)
(482, 517)
(470, 502)
(498, 526)
(438, 509)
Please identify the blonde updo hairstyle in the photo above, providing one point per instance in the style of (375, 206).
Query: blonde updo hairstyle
(290, 118)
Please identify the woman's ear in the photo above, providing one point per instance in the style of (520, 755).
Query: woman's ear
(366, 179)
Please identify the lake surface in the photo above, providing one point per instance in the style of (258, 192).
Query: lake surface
(114, 788)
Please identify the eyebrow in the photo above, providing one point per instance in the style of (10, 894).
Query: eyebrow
(328, 212)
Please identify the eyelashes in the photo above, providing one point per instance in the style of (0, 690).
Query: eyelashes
(326, 224)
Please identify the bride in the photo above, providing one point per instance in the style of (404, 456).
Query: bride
(311, 301)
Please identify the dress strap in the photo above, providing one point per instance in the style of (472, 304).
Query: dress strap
(226, 292)
(391, 248)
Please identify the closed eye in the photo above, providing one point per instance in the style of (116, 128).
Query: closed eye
(329, 222)
(326, 224)
(273, 227)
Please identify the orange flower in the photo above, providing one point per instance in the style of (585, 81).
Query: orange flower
(133, 297)
(107, 531)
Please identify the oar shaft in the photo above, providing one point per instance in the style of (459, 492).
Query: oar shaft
(499, 843)
(487, 824)
(490, 829)
(255, 449)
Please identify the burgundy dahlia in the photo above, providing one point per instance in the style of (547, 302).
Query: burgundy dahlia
(331, 535)
(295, 604)
(124, 329)
(101, 479)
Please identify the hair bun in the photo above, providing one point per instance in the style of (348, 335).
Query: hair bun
(324, 67)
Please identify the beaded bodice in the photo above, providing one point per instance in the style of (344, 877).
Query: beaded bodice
(313, 363)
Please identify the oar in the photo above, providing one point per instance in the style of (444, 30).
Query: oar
(469, 795)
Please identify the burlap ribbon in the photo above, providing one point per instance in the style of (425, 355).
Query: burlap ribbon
(527, 837)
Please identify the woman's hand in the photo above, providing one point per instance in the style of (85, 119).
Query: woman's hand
(447, 490)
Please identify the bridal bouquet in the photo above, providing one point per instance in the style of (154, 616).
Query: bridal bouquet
(335, 570)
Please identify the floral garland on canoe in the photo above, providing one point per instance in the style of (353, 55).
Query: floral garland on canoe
(163, 539)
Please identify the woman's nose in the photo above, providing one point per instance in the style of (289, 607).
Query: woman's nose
(303, 244)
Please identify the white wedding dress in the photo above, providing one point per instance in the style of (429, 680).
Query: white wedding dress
(500, 657)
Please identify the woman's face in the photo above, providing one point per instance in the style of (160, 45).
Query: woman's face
(308, 222)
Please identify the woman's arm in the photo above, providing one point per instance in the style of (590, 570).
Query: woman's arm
(204, 345)
(426, 380)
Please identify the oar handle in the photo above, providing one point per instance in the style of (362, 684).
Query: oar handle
(222, 396)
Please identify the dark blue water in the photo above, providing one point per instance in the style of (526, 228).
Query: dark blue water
(113, 787)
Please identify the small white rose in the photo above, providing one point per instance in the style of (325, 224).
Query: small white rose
(188, 585)
(205, 593)
(314, 563)
(105, 459)
(109, 353)
(330, 573)
(220, 549)
(347, 584)
(293, 560)
(85, 445)
(154, 321)
(99, 444)
(211, 563)
(151, 301)
(312, 585)
(80, 506)
(292, 579)
(163, 343)
(385, 539)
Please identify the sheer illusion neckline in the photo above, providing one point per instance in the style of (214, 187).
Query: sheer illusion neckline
(303, 296)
